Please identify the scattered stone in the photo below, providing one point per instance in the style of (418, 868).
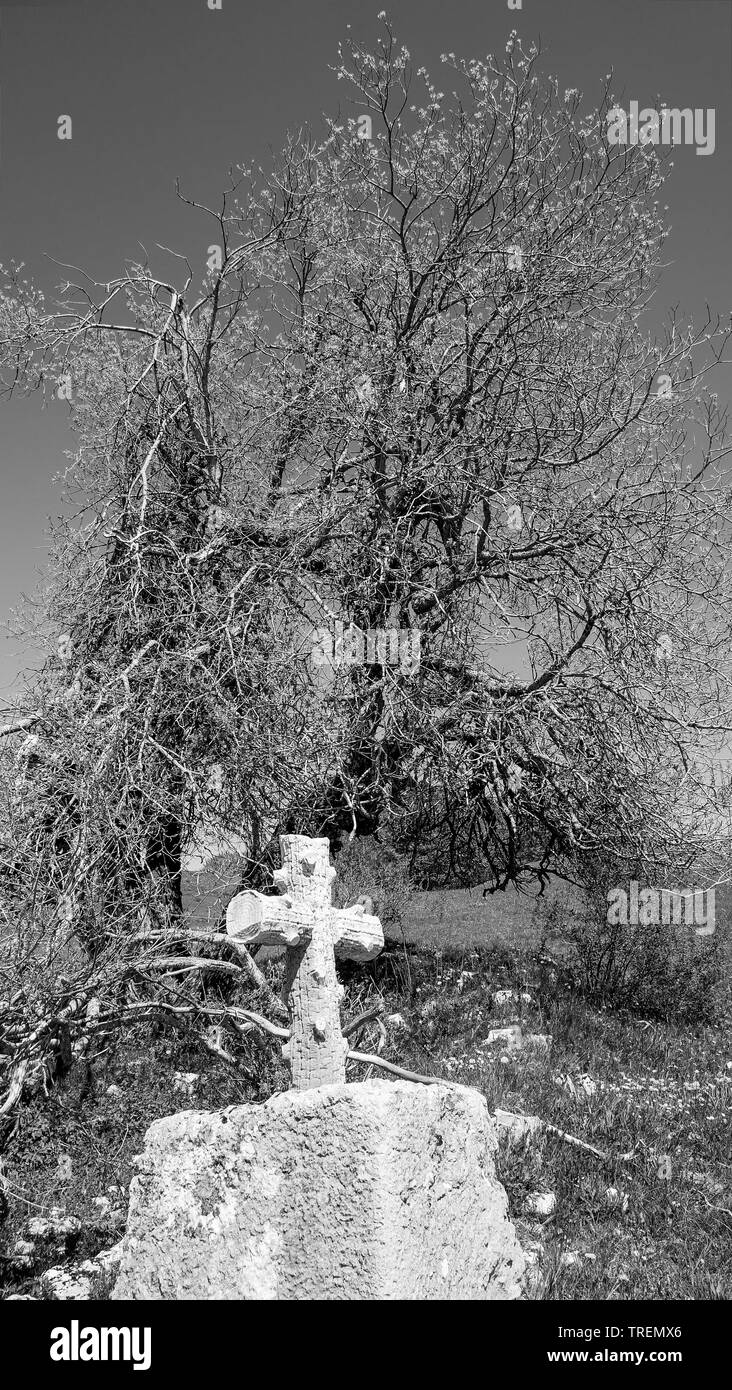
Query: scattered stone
(396, 1021)
(214, 1036)
(518, 1127)
(504, 998)
(55, 1228)
(590, 1256)
(715, 1189)
(110, 1260)
(510, 1038)
(23, 1256)
(569, 1258)
(585, 1084)
(114, 1090)
(106, 1263)
(540, 1204)
(371, 1190)
(617, 1200)
(66, 1285)
(109, 1219)
(184, 1082)
(75, 1285)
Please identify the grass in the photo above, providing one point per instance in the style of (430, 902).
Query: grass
(619, 1082)
(444, 919)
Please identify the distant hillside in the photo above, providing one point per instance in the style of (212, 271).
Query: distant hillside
(464, 917)
(442, 918)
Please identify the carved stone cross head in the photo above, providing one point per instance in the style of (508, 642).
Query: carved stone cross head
(304, 921)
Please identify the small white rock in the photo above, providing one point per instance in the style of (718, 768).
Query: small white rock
(518, 1127)
(106, 1262)
(184, 1082)
(395, 1021)
(510, 1038)
(540, 1203)
(65, 1285)
(23, 1254)
(114, 1090)
(55, 1227)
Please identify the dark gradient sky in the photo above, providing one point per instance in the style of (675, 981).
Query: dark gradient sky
(159, 89)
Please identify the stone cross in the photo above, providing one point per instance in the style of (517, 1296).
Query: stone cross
(314, 933)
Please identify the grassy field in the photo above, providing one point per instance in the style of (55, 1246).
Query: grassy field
(656, 1225)
(652, 1219)
(445, 919)
(454, 919)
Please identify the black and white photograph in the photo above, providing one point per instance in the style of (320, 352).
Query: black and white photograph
(365, 668)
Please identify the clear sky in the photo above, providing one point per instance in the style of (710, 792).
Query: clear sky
(159, 89)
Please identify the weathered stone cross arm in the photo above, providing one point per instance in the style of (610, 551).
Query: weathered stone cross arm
(304, 921)
(256, 918)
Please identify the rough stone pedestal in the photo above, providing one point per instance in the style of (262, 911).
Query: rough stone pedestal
(375, 1190)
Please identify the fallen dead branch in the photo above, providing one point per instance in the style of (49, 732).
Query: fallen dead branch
(370, 1059)
(577, 1143)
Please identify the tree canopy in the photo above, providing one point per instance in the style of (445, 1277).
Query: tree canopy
(416, 390)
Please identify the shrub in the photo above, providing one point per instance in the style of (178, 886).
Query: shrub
(658, 970)
(373, 867)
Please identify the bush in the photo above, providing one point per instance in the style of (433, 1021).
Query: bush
(658, 970)
(373, 867)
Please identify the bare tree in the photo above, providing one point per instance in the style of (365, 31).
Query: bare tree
(416, 393)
